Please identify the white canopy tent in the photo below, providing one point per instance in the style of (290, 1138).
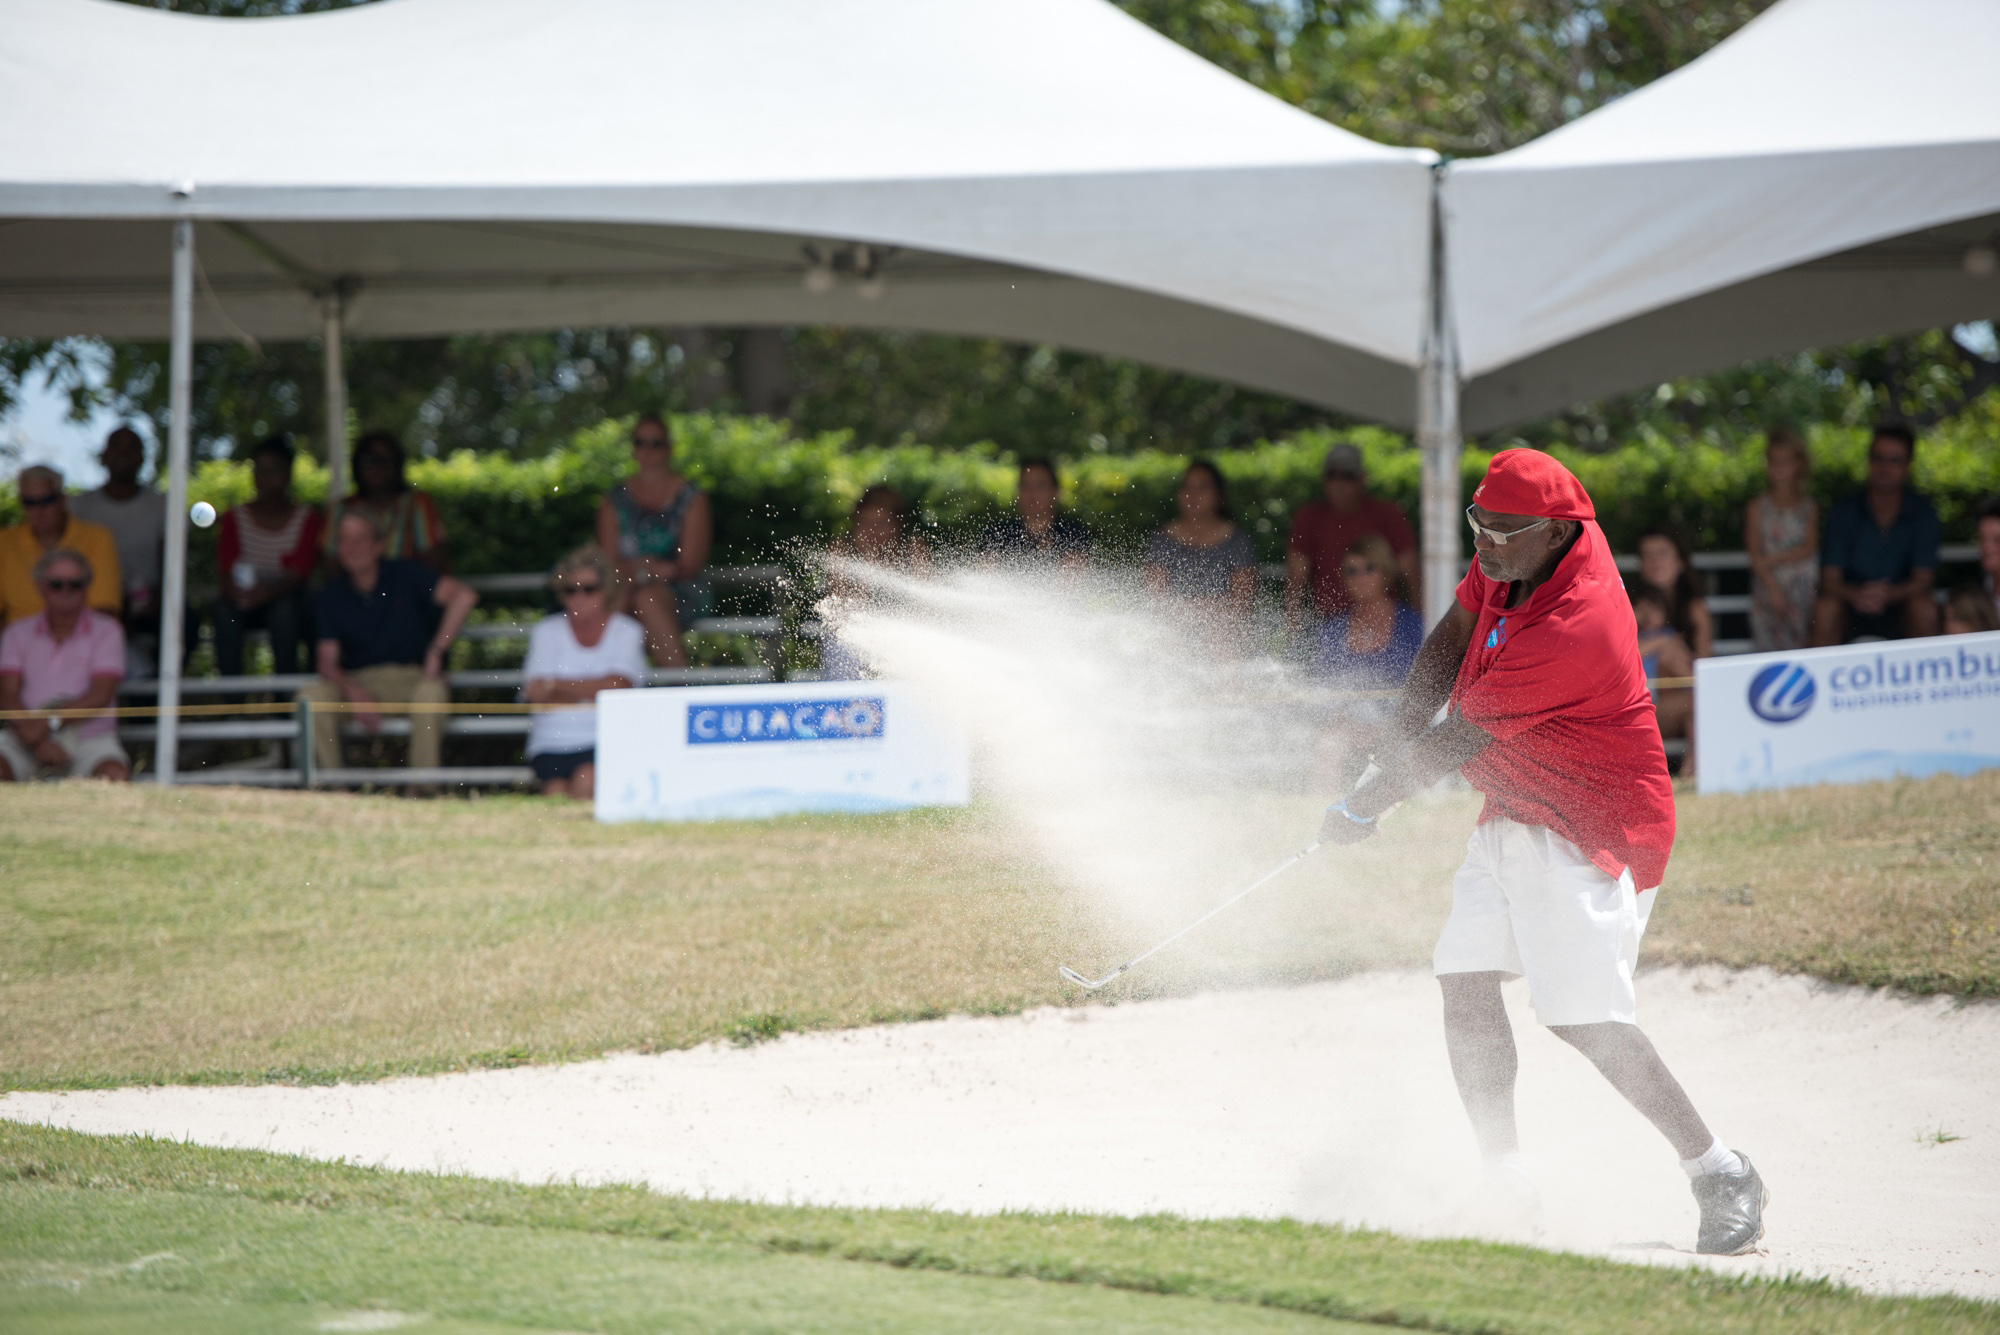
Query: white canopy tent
(1042, 170)
(1829, 173)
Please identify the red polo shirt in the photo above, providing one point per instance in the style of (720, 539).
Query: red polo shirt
(1322, 535)
(1558, 683)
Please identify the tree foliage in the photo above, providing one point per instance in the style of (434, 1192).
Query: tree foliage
(1465, 77)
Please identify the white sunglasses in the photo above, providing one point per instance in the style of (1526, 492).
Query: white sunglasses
(1500, 537)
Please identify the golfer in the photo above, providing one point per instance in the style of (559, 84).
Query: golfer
(1549, 717)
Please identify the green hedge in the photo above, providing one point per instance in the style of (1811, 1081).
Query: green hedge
(772, 492)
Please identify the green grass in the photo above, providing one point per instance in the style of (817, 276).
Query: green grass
(104, 1233)
(189, 936)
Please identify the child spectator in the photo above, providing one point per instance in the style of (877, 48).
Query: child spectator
(1781, 530)
(65, 654)
(1665, 652)
(1201, 555)
(1970, 611)
(137, 519)
(1879, 558)
(407, 519)
(265, 551)
(588, 647)
(657, 525)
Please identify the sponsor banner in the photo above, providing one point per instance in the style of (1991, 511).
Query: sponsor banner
(748, 752)
(1848, 714)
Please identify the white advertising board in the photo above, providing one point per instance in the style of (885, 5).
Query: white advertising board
(748, 752)
(1848, 714)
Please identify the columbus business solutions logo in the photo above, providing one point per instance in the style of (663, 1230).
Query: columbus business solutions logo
(1782, 693)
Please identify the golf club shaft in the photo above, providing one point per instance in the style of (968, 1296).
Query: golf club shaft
(1261, 881)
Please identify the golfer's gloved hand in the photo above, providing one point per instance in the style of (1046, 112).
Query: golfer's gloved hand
(1340, 827)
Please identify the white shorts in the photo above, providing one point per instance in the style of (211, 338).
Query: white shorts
(85, 754)
(1527, 901)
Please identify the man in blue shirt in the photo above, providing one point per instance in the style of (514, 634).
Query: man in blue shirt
(376, 647)
(1879, 554)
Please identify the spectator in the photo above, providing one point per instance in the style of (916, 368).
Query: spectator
(1665, 652)
(1370, 646)
(265, 551)
(1038, 532)
(1666, 566)
(658, 525)
(376, 648)
(1365, 653)
(47, 526)
(1989, 549)
(407, 519)
(1879, 558)
(70, 655)
(587, 648)
(1970, 611)
(137, 519)
(1201, 555)
(1323, 531)
(1781, 529)
(880, 534)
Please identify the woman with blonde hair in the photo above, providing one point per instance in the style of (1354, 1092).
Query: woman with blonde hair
(1781, 532)
(584, 649)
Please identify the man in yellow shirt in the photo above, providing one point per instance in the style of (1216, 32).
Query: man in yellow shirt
(48, 524)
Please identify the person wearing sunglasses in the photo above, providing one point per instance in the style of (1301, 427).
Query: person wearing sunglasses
(1363, 654)
(1879, 556)
(67, 658)
(585, 648)
(46, 524)
(1537, 670)
(658, 525)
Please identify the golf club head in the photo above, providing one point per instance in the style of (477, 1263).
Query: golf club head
(1073, 976)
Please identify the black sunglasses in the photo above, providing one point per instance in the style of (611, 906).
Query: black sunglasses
(50, 499)
(571, 590)
(64, 585)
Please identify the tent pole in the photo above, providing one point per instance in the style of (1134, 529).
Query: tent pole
(1438, 439)
(333, 311)
(173, 598)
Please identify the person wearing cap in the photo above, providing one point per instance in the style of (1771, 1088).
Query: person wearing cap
(1549, 717)
(1325, 529)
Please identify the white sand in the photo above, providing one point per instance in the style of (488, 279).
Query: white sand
(1330, 1102)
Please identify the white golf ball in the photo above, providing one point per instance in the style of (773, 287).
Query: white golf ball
(202, 513)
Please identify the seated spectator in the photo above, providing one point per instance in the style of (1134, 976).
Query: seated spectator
(1365, 653)
(586, 648)
(46, 526)
(1665, 652)
(407, 519)
(65, 654)
(376, 647)
(880, 534)
(1989, 550)
(265, 551)
(1371, 645)
(137, 519)
(657, 525)
(1781, 530)
(1879, 558)
(1038, 532)
(1201, 555)
(1666, 573)
(1970, 611)
(1322, 532)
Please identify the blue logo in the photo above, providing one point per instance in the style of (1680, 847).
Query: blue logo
(1498, 635)
(785, 721)
(1782, 693)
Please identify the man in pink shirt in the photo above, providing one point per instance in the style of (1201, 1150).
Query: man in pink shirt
(66, 657)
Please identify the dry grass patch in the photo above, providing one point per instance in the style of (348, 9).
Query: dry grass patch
(1884, 884)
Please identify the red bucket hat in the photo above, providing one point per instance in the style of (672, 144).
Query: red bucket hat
(1528, 482)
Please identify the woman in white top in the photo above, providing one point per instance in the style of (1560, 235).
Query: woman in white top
(585, 649)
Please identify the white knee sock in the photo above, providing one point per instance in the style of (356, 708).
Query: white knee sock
(1718, 1159)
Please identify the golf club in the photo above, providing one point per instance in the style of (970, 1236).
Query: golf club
(1091, 985)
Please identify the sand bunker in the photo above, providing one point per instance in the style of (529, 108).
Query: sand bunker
(1330, 1102)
